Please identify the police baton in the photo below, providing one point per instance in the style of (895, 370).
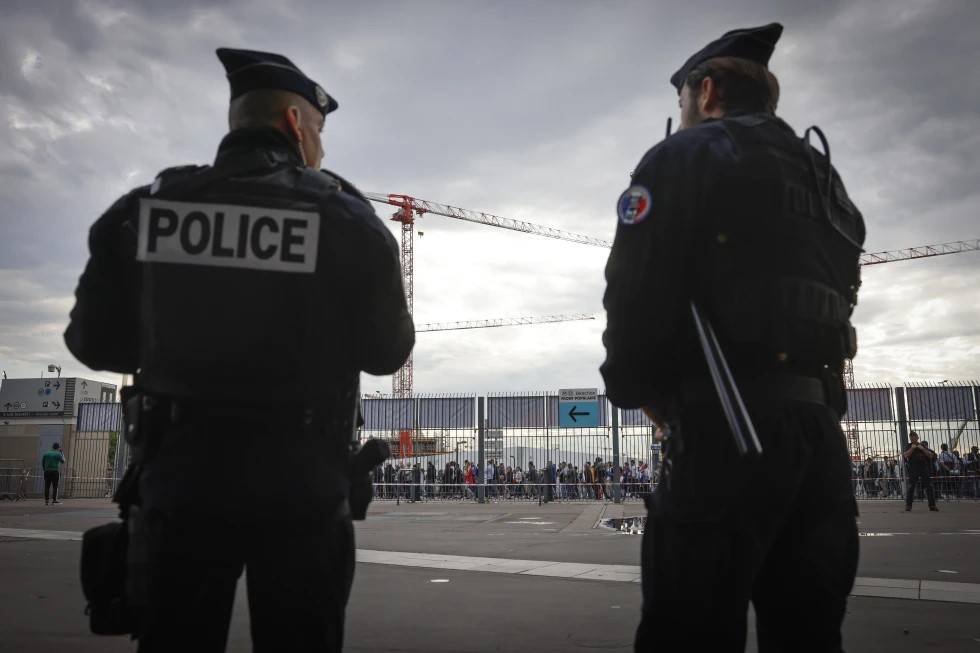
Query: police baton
(739, 421)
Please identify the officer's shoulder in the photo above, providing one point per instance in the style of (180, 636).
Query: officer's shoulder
(330, 183)
(345, 186)
(120, 219)
(175, 174)
(123, 208)
(354, 204)
(689, 146)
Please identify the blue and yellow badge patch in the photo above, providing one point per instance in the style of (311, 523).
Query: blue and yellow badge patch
(634, 205)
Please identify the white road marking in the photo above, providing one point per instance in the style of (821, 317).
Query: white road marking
(33, 534)
(899, 588)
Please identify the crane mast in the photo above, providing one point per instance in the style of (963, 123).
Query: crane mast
(402, 381)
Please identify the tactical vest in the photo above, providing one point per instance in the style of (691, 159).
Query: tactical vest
(236, 294)
(778, 271)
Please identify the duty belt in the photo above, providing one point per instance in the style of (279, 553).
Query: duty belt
(774, 387)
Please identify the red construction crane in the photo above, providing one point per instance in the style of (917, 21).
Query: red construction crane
(409, 207)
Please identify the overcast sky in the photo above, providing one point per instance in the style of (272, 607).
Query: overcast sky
(533, 110)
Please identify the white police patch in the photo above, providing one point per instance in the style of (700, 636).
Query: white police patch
(224, 235)
(321, 96)
(634, 205)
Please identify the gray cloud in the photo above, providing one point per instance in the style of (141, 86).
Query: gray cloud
(535, 111)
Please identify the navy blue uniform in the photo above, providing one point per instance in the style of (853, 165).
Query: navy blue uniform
(735, 214)
(247, 297)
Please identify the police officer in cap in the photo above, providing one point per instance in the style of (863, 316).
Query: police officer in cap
(738, 214)
(246, 296)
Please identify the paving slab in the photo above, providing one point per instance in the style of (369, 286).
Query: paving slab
(933, 590)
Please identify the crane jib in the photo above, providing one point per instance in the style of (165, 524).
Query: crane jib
(408, 207)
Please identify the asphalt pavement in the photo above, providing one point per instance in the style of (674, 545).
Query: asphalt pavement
(537, 589)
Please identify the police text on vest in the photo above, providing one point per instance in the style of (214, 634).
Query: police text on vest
(229, 236)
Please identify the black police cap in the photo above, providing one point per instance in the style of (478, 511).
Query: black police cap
(752, 43)
(249, 70)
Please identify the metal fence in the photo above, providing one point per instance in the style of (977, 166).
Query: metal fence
(14, 479)
(520, 434)
(95, 458)
(513, 446)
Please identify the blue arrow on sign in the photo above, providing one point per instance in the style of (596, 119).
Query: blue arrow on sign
(578, 408)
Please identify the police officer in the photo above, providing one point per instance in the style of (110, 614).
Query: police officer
(738, 214)
(246, 296)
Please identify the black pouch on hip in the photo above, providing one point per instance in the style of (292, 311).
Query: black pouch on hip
(104, 555)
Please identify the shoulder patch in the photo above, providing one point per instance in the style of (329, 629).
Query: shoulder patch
(634, 205)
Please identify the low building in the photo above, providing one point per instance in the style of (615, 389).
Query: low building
(36, 413)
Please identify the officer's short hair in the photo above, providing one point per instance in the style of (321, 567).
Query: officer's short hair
(743, 85)
(55, 446)
(262, 107)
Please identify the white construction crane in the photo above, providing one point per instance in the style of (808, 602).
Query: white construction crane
(501, 322)
(409, 207)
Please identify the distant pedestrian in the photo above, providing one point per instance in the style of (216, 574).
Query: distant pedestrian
(870, 476)
(892, 485)
(110, 479)
(533, 480)
(919, 458)
(949, 471)
(51, 463)
(971, 472)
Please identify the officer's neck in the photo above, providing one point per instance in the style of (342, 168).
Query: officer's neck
(250, 138)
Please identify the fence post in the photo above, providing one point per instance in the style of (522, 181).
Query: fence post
(976, 403)
(121, 462)
(617, 469)
(481, 430)
(902, 417)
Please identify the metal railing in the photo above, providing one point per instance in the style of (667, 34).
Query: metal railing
(520, 434)
(510, 492)
(15, 478)
(947, 487)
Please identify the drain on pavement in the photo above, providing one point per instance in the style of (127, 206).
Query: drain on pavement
(626, 525)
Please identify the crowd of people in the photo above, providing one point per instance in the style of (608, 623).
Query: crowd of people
(564, 481)
(950, 475)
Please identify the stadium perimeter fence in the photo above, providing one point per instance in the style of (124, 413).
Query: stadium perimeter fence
(431, 436)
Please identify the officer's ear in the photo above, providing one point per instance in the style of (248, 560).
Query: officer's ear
(294, 126)
(294, 123)
(709, 99)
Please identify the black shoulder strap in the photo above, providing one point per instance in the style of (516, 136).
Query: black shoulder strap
(825, 196)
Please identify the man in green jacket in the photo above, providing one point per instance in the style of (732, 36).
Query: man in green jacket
(51, 462)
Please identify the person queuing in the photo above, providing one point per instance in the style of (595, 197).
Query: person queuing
(919, 459)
